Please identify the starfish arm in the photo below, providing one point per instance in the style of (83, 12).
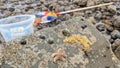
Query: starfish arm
(54, 54)
(64, 55)
(62, 59)
(56, 58)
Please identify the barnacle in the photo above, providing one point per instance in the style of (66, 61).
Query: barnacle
(59, 55)
(77, 38)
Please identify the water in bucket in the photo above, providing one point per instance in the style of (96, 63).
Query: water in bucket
(16, 26)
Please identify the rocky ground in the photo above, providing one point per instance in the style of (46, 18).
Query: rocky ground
(105, 19)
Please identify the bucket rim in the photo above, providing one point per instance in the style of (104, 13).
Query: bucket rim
(4, 25)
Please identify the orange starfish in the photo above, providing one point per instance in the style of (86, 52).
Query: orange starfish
(59, 55)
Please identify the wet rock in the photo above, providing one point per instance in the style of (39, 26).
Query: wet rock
(66, 32)
(100, 27)
(112, 8)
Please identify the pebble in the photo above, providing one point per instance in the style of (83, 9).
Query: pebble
(0, 41)
(42, 37)
(112, 8)
(80, 2)
(23, 42)
(50, 41)
(117, 42)
(111, 41)
(101, 27)
(117, 52)
(90, 3)
(109, 28)
(98, 15)
(108, 22)
(3, 7)
(117, 22)
(115, 34)
(28, 2)
(84, 26)
(67, 16)
(11, 9)
(66, 32)
(92, 20)
(14, 0)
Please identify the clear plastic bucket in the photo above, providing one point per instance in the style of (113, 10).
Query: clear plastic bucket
(16, 26)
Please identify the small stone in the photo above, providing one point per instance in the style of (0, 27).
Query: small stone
(92, 20)
(11, 9)
(23, 42)
(117, 52)
(50, 41)
(117, 22)
(66, 32)
(39, 28)
(42, 37)
(115, 34)
(117, 42)
(84, 26)
(111, 41)
(113, 37)
(90, 3)
(100, 27)
(14, 0)
(3, 7)
(28, 2)
(98, 15)
(108, 22)
(118, 35)
(80, 2)
(67, 16)
(109, 28)
(0, 41)
(112, 8)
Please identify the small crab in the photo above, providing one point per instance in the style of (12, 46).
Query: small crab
(59, 55)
